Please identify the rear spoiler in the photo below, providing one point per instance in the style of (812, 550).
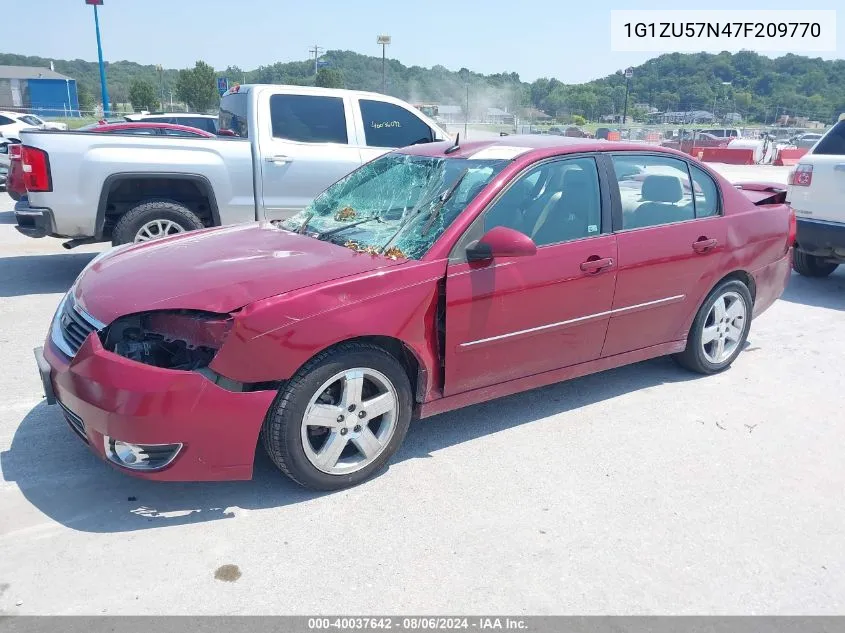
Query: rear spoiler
(763, 192)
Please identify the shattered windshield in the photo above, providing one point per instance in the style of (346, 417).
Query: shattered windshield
(397, 205)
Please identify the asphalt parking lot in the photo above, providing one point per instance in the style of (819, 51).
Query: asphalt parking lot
(643, 490)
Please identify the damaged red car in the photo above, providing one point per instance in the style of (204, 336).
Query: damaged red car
(432, 278)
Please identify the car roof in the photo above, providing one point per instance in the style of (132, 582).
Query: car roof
(527, 144)
(172, 114)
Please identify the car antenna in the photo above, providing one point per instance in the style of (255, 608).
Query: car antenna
(456, 146)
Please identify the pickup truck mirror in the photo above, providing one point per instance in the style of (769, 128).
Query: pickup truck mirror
(500, 241)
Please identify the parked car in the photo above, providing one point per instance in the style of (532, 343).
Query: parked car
(806, 140)
(15, 186)
(816, 189)
(13, 123)
(207, 122)
(4, 161)
(429, 279)
(146, 128)
(286, 144)
(723, 132)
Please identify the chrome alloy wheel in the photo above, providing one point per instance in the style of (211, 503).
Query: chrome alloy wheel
(349, 421)
(723, 327)
(156, 229)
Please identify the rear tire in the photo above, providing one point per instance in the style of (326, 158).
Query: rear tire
(153, 220)
(811, 265)
(318, 410)
(718, 332)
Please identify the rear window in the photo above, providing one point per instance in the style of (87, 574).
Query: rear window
(833, 142)
(308, 119)
(233, 114)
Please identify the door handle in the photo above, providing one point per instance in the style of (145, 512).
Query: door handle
(839, 167)
(596, 265)
(704, 245)
(278, 159)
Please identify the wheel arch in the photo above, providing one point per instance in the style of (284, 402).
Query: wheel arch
(415, 369)
(739, 275)
(113, 181)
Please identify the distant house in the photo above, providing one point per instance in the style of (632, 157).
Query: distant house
(450, 114)
(497, 116)
(682, 117)
(39, 90)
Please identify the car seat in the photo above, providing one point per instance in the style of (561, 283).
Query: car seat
(660, 196)
(573, 214)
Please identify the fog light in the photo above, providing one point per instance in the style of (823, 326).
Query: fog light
(140, 456)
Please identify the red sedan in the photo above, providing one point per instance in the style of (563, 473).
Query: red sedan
(432, 278)
(164, 129)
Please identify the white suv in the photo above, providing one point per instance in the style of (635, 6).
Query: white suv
(817, 193)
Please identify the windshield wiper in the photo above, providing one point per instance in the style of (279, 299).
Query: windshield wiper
(338, 229)
(441, 202)
(304, 225)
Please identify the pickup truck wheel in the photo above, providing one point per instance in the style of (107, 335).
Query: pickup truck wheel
(153, 220)
(810, 265)
(719, 330)
(340, 418)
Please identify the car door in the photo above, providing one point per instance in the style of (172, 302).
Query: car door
(671, 238)
(384, 126)
(306, 143)
(512, 317)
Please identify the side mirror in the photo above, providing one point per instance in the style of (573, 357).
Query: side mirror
(501, 241)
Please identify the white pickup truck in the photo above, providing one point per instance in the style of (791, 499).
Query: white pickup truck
(817, 194)
(279, 147)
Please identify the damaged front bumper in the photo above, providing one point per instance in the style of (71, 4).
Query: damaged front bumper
(128, 411)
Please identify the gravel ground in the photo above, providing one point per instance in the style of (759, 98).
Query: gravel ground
(640, 490)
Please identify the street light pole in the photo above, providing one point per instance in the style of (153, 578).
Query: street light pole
(384, 40)
(629, 72)
(103, 89)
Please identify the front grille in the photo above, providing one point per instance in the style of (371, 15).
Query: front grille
(75, 325)
(75, 422)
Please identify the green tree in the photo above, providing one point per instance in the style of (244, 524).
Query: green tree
(85, 96)
(142, 96)
(197, 87)
(329, 78)
(577, 119)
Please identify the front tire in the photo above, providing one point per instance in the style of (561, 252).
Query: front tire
(810, 265)
(154, 220)
(719, 330)
(340, 418)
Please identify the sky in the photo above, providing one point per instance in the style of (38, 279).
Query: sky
(539, 38)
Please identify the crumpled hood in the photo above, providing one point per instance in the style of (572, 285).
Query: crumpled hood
(218, 270)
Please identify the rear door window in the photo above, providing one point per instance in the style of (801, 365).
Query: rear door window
(389, 125)
(308, 119)
(833, 143)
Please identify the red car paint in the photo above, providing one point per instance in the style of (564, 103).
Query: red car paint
(117, 128)
(292, 296)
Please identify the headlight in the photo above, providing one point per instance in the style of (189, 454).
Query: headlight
(171, 339)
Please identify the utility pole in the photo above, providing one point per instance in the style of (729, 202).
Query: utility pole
(103, 89)
(629, 72)
(160, 70)
(316, 51)
(384, 41)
